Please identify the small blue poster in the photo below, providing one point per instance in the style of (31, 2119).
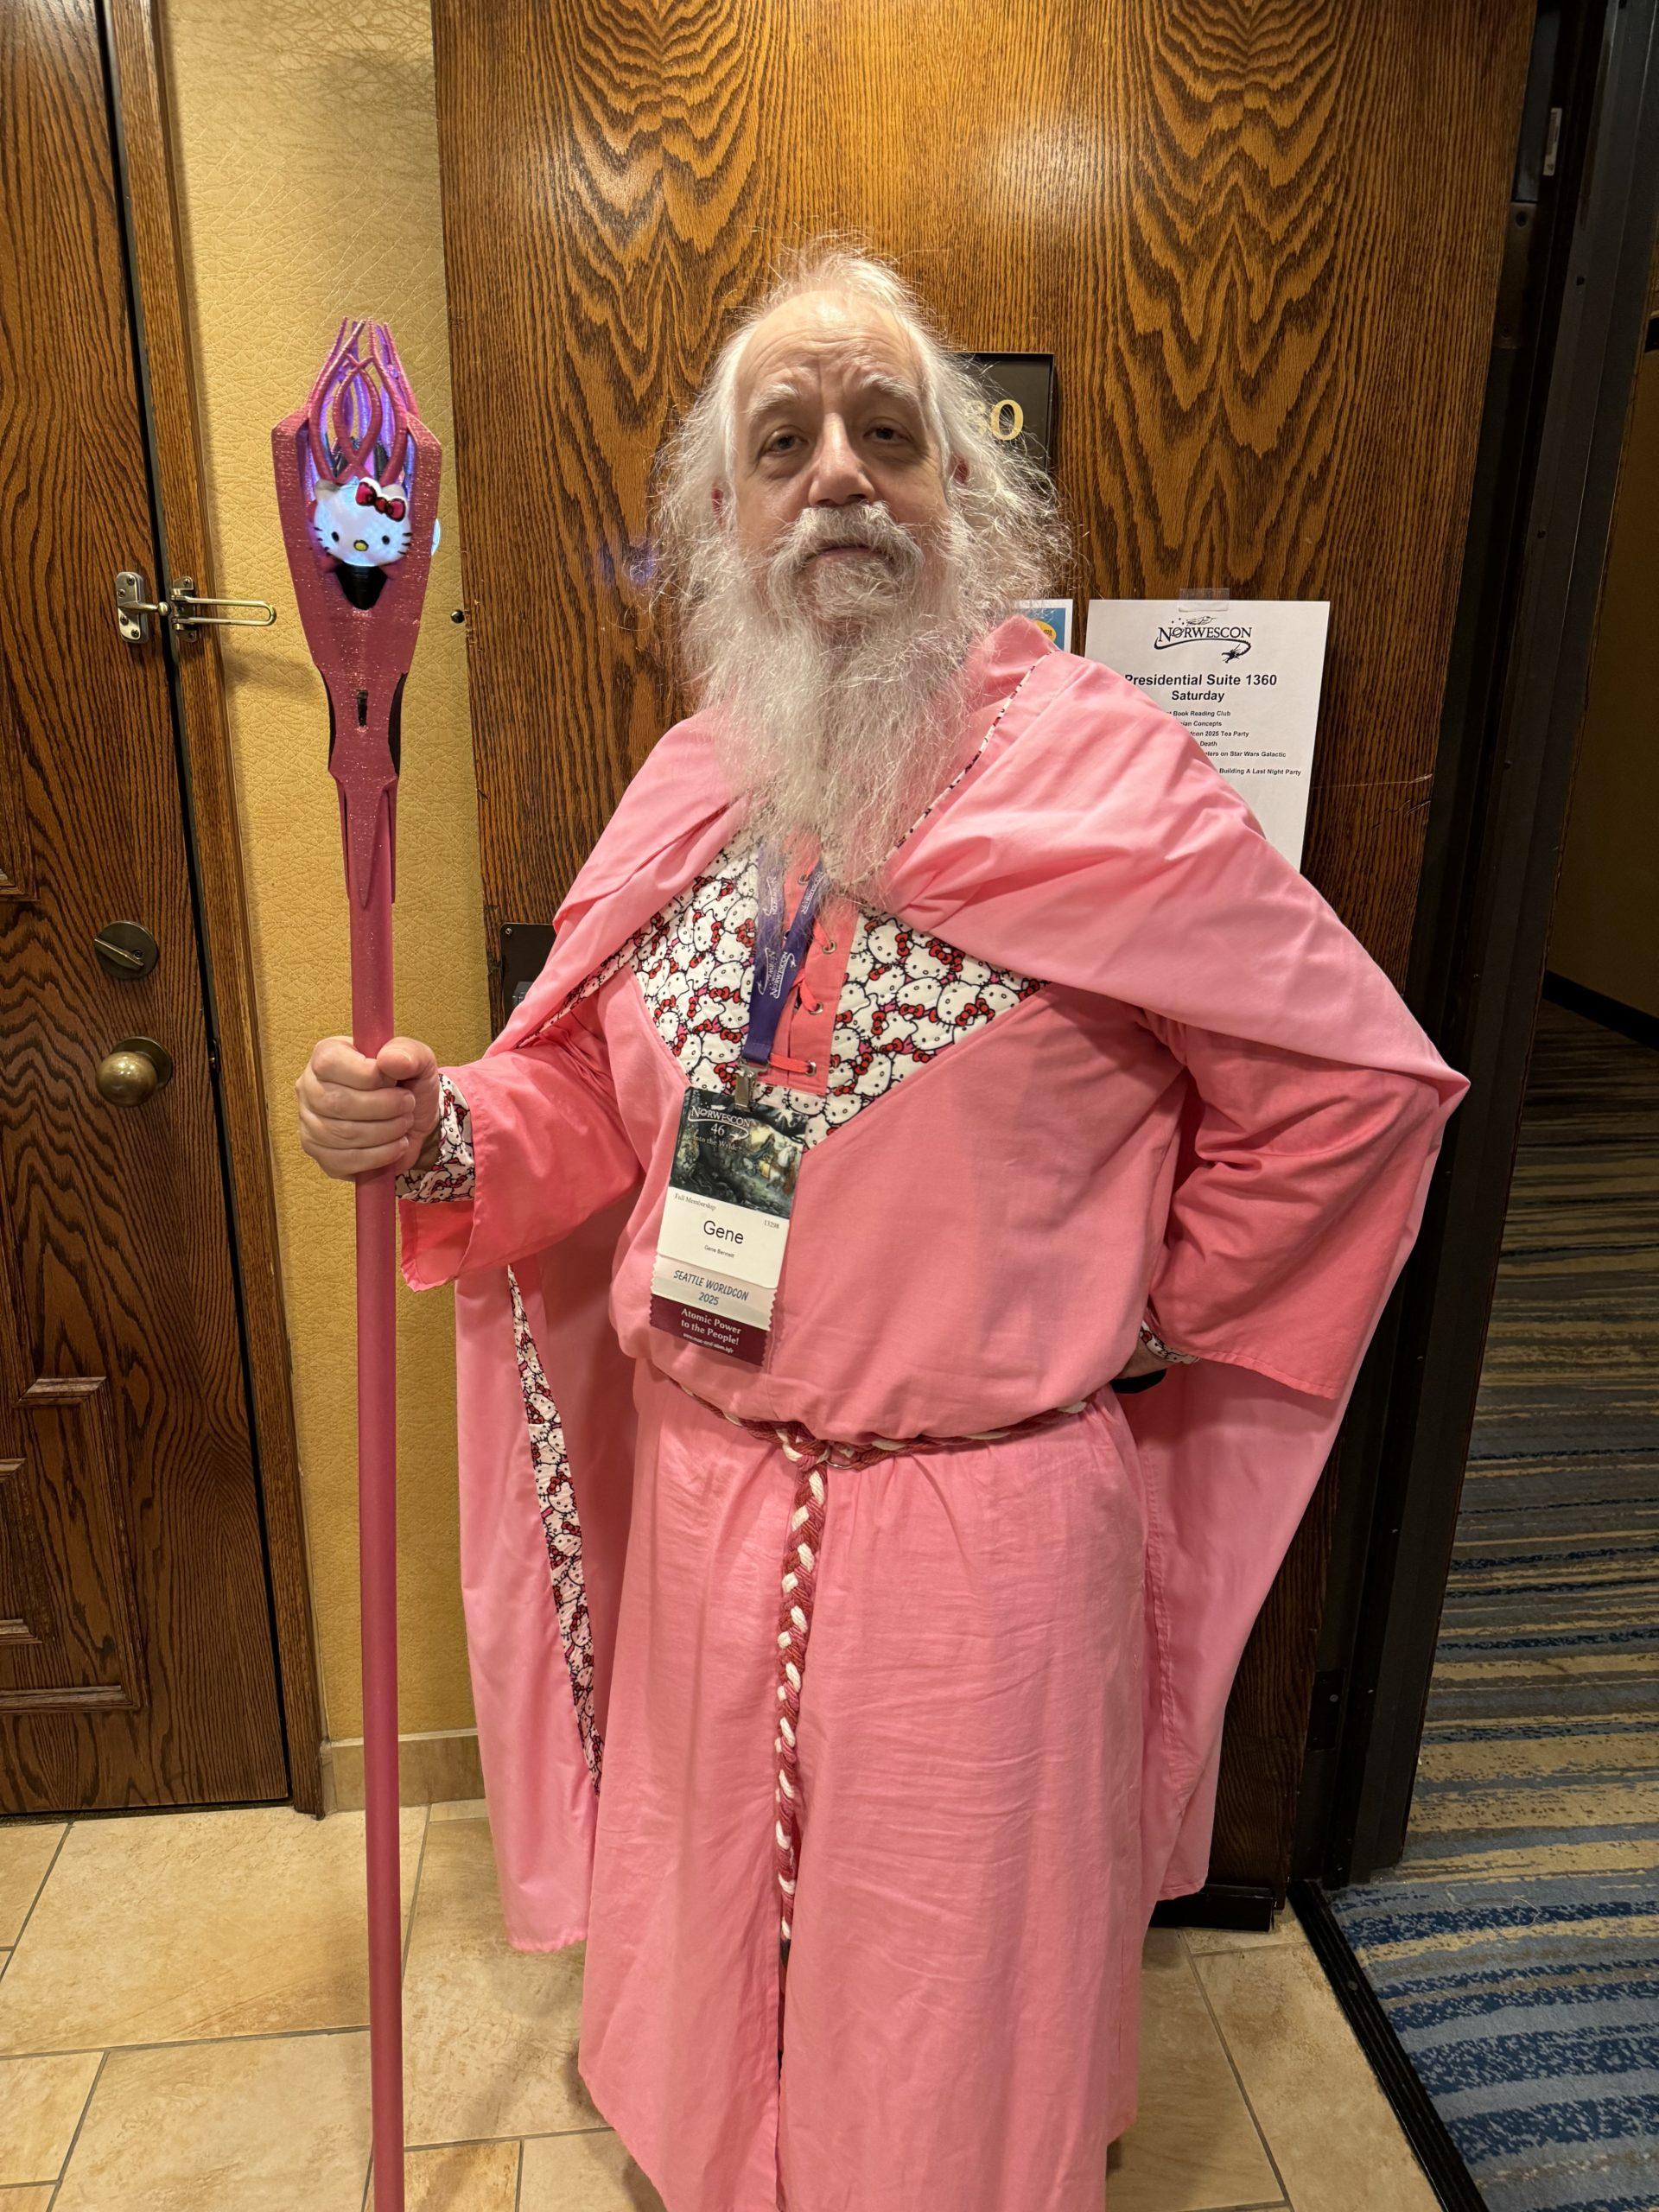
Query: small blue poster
(1053, 615)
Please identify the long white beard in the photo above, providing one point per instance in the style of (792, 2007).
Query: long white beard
(840, 690)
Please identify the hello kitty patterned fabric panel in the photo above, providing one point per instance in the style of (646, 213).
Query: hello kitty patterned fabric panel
(906, 995)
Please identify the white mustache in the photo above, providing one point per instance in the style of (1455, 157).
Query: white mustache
(821, 529)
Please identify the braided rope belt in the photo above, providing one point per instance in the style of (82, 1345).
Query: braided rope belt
(812, 1455)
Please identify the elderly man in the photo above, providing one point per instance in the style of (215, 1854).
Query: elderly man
(913, 1245)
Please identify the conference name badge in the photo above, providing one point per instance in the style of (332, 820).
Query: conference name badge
(725, 1224)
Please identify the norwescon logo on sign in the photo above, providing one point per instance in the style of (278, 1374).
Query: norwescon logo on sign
(1234, 638)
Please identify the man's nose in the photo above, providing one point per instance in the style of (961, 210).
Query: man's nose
(838, 475)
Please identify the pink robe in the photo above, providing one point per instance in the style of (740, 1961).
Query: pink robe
(1021, 1650)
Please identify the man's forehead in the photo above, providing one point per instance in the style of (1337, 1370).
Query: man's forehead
(789, 349)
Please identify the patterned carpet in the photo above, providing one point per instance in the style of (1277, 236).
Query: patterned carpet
(1515, 1947)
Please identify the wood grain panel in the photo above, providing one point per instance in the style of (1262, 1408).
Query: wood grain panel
(1261, 238)
(68, 1548)
(16, 853)
(119, 1243)
(157, 249)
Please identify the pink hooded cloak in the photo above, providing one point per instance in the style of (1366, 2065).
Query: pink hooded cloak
(1090, 844)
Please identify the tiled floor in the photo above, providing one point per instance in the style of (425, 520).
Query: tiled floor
(181, 2029)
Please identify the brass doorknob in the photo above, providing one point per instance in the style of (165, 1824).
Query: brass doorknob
(133, 1071)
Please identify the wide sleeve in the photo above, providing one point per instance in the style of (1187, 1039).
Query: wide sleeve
(548, 1150)
(1300, 1191)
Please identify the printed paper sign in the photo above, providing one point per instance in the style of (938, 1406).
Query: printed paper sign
(1244, 677)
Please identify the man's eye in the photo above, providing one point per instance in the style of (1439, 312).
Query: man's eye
(771, 445)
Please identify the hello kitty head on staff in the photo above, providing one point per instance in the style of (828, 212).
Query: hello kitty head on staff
(361, 522)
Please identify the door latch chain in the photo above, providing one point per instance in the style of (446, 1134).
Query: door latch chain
(133, 608)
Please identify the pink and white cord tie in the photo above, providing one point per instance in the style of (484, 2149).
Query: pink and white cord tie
(801, 1552)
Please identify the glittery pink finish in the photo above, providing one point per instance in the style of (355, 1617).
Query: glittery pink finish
(361, 419)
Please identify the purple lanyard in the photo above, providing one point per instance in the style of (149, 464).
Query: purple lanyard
(778, 957)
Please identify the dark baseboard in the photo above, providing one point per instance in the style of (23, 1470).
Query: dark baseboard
(1594, 1005)
(1217, 1905)
(1427, 2132)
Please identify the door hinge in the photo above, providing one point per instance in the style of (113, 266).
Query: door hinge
(1514, 278)
(1326, 1710)
(1552, 144)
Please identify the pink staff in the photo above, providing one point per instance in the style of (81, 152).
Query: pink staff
(357, 486)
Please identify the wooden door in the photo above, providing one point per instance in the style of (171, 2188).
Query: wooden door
(136, 1661)
(1263, 246)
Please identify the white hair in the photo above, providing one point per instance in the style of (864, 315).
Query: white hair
(1003, 501)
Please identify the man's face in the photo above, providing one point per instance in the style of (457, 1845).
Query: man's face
(829, 433)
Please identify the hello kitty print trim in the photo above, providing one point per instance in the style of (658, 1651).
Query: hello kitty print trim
(562, 1526)
(452, 1176)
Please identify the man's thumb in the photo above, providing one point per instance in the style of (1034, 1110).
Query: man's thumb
(400, 1058)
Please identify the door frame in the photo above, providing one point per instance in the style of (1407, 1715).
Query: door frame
(135, 73)
(1557, 413)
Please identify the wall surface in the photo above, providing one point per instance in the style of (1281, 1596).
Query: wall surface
(307, 158)
(1605, 930)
